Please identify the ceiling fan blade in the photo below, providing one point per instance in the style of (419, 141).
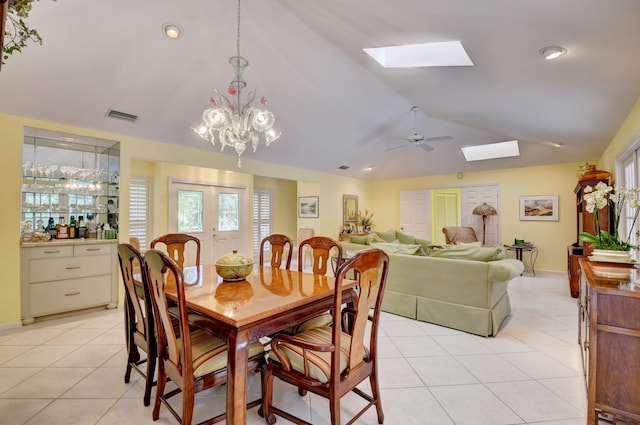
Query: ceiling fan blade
(425, 148)
(438, 139)
(395, 147)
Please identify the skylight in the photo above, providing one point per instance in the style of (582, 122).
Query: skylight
(491, 151)
(446, 53)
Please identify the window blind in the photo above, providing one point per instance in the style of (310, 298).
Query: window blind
(139, 200)
(261, 218)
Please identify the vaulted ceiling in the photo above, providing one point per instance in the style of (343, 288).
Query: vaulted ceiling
(334, 105)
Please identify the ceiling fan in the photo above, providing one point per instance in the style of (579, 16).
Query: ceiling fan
(417, 138)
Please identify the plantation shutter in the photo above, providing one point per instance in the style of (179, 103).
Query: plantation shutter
(261, 218)
(139, 191)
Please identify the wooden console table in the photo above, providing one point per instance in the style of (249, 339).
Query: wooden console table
(609, 335)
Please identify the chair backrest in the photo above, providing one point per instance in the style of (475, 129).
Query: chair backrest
(305, 233)
(369, 268)
(321, 247)
(174, 343)
(139, 310)
(176, 245)
(280, 245)
(135, 242)
(455, 235)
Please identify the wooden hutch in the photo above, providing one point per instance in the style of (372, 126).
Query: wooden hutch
(585, 223)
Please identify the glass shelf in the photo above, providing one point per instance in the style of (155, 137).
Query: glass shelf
(67, 175)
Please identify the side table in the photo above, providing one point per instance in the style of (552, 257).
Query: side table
(520, 249)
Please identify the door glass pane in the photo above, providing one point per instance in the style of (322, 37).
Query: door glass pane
(228, 212)
(190, 211)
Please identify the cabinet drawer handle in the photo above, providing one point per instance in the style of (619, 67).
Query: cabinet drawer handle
(72, 267)
(71, 294)
(93, 249)
(51, 252)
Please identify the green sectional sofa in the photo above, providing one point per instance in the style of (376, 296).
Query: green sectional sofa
(461, 287)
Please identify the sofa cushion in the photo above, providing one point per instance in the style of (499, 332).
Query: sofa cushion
(362, 240)
(399, 248)
(404, 238)
(389, 236)
(461, 252)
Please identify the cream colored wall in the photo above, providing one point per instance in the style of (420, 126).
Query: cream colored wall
(380, 197)
(551, 237)
(626, 134)
(284, 196)
(160, 160)
(10, 161)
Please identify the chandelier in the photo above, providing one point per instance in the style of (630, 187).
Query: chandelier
(236, 123)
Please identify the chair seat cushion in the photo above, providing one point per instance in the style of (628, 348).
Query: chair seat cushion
(210, 353)
(319, 362)
(324, 319)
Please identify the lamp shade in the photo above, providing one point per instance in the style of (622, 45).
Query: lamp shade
(484, 210)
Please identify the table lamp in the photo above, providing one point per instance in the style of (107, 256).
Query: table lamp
(484, 210)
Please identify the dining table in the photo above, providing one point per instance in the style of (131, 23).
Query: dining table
(267, 301)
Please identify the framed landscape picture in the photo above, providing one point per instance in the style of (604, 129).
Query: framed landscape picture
(308, 207)
(543, 208)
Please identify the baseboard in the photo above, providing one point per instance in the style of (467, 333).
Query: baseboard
(12, 325)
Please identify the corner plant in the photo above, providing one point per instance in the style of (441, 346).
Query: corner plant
(17, 33)
(602, 196)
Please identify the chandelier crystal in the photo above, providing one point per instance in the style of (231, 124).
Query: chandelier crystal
(234, 122)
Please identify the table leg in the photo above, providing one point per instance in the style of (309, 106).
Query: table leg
(238, 357)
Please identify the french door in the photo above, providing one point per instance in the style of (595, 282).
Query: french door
(217, 215)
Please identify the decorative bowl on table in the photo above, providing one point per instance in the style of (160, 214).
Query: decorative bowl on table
(234, 267)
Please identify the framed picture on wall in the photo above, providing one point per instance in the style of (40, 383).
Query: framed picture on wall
(544, 208)
(308, 207)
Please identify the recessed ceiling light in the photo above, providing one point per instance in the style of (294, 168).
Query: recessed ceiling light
(172, 30)
(491, 151)
(447, 53)
(553, 52)
(369, 168)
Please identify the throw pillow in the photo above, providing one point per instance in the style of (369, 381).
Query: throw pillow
(373, 237)
(362, 240)
(474, 253)
(389, 236)
(399, 248)
(404, 238)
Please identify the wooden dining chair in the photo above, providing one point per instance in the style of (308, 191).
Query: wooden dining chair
(176, 244)
(459, 235)
(194, 359)
(322, 249)
(304, 233)
(139, 322)
(281, 245)
(332, 361)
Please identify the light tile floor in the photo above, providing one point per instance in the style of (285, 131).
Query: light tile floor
(70, 371)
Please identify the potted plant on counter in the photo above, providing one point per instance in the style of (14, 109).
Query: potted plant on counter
(609, 246)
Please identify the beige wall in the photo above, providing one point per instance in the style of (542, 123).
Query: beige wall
(626, 134)
(551, 237)
(161, 160)
(284, 198)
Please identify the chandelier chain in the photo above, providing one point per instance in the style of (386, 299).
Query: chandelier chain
(238, 32)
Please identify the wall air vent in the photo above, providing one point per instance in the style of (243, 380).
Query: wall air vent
(343, 167)
(121, 115)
